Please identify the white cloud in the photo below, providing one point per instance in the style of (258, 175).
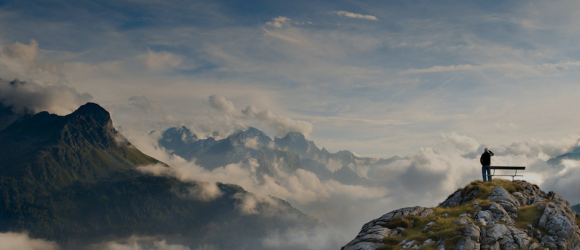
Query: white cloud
(203, 191)
(282, 125)
(303, 238)
(162, 60)
(35, 97)
(21, 241)
(26, 53)
(355, 15)
(142, 102)
(222, 104)
(252, 143)
(279, 22)
(19, 60)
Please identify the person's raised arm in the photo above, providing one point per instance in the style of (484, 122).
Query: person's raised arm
(491, 153)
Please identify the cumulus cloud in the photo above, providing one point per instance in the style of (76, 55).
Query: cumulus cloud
(35, 97)
(203, 191)
(222, 104)
(21, 60)
(21, 241)
(26, 53)
(143, 103)
(355, 15)
(282, 125)
(162, 60)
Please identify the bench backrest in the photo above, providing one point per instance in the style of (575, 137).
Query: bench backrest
(508, 167)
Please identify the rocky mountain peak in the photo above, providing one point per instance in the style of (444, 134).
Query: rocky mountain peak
(296, 136)
(93, 111)
(491, 215)
(240, 137)
(179, 135)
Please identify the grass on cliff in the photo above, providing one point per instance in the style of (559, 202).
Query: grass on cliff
(443, 228)
(484, 189)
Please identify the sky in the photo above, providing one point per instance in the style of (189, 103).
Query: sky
(379, 78)
(433, 82)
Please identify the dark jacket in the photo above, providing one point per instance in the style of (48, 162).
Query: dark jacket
(486, 158)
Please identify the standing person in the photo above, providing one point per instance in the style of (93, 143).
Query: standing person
(485, 163)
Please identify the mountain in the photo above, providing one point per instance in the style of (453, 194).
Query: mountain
(576, 208)
(7, 113)
(483, 215)
(7, 116)
(346, 176)
(289, 153)
(74, 179)
(572, 155)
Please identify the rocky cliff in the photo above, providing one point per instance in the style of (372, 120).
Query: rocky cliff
(491, 216)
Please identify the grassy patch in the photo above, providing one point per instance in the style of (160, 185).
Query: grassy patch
(528, 215)
(484, 189)
(399, 222)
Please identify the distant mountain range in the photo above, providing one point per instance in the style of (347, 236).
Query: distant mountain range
(574, 154)
(73, 179)
(290, 153)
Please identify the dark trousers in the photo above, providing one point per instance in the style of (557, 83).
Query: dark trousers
(485, 169)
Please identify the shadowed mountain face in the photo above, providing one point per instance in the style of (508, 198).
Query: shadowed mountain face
(74, 179)
(7, 116)
(290, 153)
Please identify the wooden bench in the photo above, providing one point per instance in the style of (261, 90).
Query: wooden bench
(516, 168)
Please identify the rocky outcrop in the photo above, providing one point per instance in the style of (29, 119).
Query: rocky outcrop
(372, 233)
(492, 224)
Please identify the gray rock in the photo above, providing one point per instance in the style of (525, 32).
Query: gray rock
(505, 199)
(428, 241)
(521, 239)
(462, 221)
(497, 231)
(472, 231)
(500, 215)
(549, 241)
(484, 216)
(364, 246)
(372, 233)
(556, 221)
(533, 246)
(467, 244)
(456, 199)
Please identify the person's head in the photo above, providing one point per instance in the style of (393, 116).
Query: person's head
(485, 150)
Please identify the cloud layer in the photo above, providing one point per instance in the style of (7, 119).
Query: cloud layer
(21, 241)
(282, 125)
(34, 97)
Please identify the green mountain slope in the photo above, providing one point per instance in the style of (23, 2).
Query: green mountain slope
(73, 179)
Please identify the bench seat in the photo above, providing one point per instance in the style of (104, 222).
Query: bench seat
(516, 168)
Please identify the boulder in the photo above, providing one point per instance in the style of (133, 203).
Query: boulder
(505, 199)
(500, 215)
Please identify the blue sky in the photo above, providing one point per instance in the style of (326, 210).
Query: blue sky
(376, 77)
